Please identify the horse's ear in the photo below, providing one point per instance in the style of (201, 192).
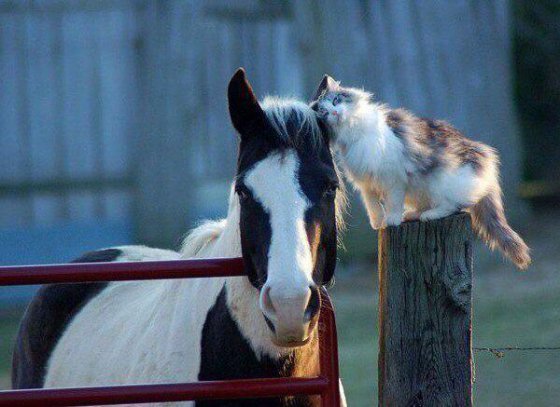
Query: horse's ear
(246, 114)
(327, 84)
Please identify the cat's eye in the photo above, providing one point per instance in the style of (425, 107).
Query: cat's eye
(337, 99)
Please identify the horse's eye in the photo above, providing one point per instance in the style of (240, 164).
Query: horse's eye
(330, 191)
(242, 193)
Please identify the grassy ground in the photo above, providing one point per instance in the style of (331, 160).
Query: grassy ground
(510, 309)
(9, 320)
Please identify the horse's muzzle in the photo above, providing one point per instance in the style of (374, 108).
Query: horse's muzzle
(291, 319)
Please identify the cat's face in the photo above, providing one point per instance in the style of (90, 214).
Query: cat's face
(337, 105)
(334, 107)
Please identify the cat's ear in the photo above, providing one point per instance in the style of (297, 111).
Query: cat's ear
(327, 84)
(245, 112)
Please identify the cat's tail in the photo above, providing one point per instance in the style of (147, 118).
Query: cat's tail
(489, 221)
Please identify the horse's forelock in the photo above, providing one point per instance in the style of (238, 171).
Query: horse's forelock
(295, 122)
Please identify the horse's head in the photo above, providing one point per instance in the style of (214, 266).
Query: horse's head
(287, 186)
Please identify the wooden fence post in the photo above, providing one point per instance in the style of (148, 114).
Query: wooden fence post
(425, 280)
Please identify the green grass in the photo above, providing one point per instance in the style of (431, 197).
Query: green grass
(9, 321)
(522, 311)
(357, 323)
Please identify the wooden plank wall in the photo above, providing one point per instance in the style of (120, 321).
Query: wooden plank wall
(449, 60)
(68, 101)
(133, 92)
(191, 50)
(443, 59)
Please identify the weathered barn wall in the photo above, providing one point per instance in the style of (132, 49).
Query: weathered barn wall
(191, 50)
(68, 111)
(448, 60)
(117, 109)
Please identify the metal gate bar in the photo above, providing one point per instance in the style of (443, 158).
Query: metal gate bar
(325, 385)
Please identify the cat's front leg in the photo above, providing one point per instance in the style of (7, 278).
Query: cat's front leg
(394, 205)
(374, 208)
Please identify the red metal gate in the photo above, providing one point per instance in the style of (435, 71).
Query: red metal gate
(325, 385)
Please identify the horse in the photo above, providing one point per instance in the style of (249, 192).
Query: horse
(283, 215)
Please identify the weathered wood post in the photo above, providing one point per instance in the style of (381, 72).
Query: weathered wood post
(425, 280)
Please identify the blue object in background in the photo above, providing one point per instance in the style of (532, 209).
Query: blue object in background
(59, 243)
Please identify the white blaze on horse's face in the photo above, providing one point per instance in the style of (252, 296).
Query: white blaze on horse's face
(287, 293)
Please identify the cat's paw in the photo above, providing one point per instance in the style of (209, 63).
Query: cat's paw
(376, 223)
(435, 213)
(411, 215)
(394, 219)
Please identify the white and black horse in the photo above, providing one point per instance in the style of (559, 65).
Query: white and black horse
(282, 218)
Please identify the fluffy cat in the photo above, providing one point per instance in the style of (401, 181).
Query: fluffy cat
(395, 158)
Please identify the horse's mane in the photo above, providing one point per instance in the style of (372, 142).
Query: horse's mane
(198, 238)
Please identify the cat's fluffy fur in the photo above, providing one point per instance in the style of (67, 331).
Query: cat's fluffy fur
(396, 158)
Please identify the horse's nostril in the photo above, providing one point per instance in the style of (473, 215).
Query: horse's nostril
(270, 324)
(267, 301)
(314, 303)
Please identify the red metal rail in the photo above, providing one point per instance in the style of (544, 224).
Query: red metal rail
(325, 385)
(145, 270)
